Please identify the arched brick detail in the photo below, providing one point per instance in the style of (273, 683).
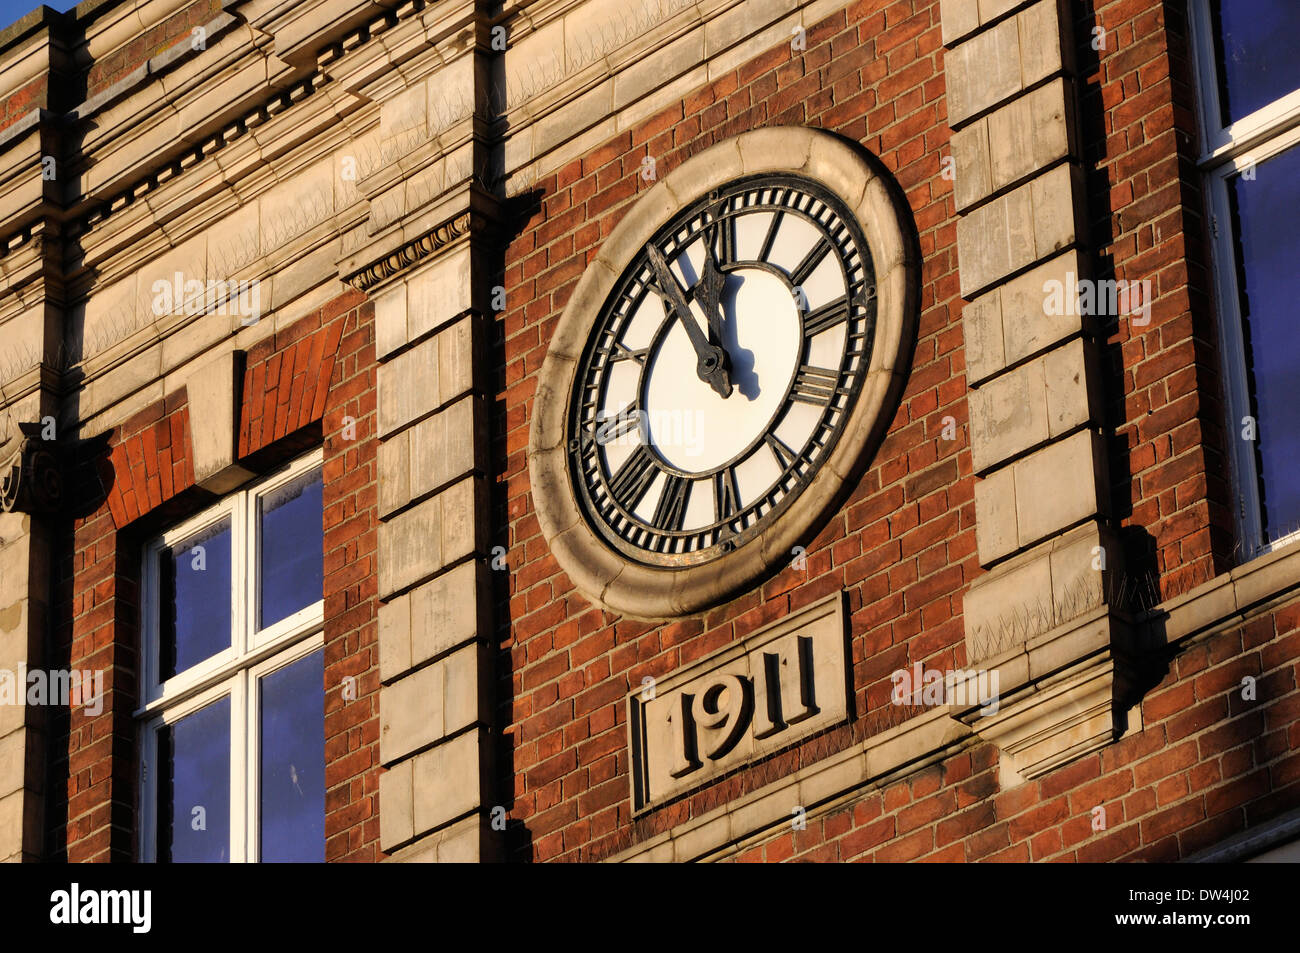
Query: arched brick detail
(286, 390)
(153, 464)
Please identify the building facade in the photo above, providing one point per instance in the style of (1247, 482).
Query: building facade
(670, 430)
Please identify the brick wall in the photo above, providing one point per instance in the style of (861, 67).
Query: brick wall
(1207, 765)
(23, 100)
(322, 366)
(903, 544)
(1170, 472)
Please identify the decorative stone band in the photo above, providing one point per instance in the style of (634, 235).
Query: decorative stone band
(412, 252)
(631, 588)
(784, 682)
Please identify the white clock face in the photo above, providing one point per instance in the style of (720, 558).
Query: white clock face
(722, 370)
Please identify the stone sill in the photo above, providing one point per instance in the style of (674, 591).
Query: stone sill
(1228, 599)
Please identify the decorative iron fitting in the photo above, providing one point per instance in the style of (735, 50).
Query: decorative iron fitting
(31, 476)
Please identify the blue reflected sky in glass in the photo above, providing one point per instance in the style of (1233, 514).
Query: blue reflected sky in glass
(292, 544)
(194, 599)
(1267, 254)
(194, 763)
(1256, 52)
(292, 746)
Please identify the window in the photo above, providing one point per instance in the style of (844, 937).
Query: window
(232, 677)
(1250, 112)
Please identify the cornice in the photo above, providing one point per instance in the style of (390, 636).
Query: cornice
(152, 177)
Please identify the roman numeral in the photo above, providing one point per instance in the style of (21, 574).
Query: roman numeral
(720, 233)
(784, 455)
(634, 477)
(803, 271)
(613, 427)
(827, 316)
(671, 511)
(815, 385)
(622, 352)
(770, 239)
(726, 494)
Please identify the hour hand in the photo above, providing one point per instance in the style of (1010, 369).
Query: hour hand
(711, 360)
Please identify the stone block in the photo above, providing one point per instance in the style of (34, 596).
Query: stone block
(1044, 40)
(410, 547)
(959, 18)
(390, 318)
(974, 170)
(1030, 133)
(1017, 229)
(394, 472)
(394, 637)
(439, 292)
(448, 612)
(456, 353)
(396, 817)
(995, 516)
(447, 446)
(467, 841)
(1059, 485)
(1008, 415)
(982, 72)
(447, 780)
(982, 331)
(991, 65)
(464, 519)
(409, 386)
(433, 702)
(410, 713)
(1072, 376)
(1008, 606)
(1035, 402)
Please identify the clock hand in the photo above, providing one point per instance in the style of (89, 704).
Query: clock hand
(712, 282)
(711, 364)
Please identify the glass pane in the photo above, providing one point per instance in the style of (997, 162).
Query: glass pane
(292, 544)
(292, 800)
(1264, 213)
(194, 786)
(194, 599)
(1257, 65)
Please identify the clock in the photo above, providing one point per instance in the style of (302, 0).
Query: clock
(721, 369)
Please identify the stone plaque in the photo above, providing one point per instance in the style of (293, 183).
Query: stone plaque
(782, 683)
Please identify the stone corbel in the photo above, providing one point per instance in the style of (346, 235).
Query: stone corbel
(1059, 696)
(31, 476)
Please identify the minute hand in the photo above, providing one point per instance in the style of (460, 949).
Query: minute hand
(710, 365)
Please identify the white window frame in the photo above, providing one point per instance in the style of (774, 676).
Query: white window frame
(1226, 151)
(235, 672)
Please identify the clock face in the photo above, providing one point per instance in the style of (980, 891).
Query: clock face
(721, 370)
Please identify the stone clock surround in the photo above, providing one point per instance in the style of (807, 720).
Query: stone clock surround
(630, 588)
